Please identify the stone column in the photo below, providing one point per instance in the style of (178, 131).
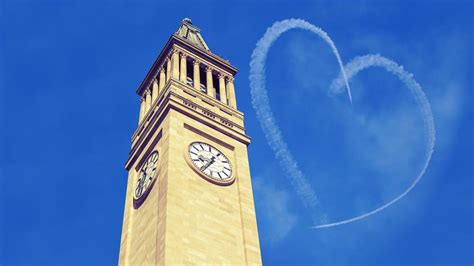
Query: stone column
(222, 90)
(142, 110)
(183, 71)
(147, 100)
(162, 80)
(175, 64)
(154, 92)
(210, 88)
(231, 92)
(168, 69)
(197, 76)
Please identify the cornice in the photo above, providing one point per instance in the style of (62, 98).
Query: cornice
(191, 91)
(170, 99)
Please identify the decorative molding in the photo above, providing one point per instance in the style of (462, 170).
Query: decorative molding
(210, 114)
(168, 95)
(190, 104)
(208, 101)
(209, 137)
(225, 111)
(213, 102)
(175, 50)
(226, 122)
(190, 93)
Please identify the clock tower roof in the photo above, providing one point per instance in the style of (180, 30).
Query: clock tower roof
(191, 34)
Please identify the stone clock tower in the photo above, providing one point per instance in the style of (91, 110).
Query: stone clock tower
(189, 194)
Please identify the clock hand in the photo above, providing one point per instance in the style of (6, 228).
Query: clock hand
(208, 164)
(142, 181)
(139, 189)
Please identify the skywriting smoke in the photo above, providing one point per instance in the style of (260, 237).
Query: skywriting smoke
(274, 136)
(261, 105)
(353, 68)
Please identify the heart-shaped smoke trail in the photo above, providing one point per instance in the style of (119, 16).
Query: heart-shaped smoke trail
(273, 134)
(352, 69)
(261, 105)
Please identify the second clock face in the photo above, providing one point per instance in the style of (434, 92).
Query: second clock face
(147, 175)
(210, 161)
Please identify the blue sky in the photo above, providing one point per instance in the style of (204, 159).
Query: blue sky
(68, 74)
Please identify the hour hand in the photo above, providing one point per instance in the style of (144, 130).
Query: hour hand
(204, 167)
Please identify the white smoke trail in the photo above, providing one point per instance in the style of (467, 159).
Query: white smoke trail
(362, 62)
(261, 104)
(273, 134)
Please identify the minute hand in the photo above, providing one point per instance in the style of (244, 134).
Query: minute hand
(208, 164)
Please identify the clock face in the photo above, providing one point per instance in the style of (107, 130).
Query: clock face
(210, 162)
(146, 176)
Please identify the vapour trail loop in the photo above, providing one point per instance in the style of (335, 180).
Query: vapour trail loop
(273, 134)
(261, 104)
(353, 68)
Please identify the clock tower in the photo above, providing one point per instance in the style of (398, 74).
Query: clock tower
(189, 193)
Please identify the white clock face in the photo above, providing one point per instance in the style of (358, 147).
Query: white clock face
(210, 161)
(146, 175)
